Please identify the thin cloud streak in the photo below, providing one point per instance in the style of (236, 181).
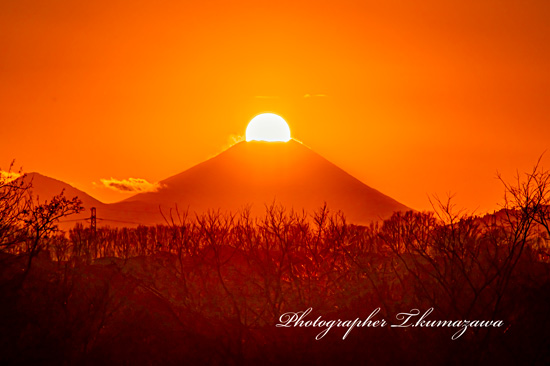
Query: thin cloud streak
(315, 96)
(137, 185)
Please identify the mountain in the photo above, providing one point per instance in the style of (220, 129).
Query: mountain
(247, 175)
(257, 174)
(44, 188)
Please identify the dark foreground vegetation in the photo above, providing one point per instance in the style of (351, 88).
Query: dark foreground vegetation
(211, 289)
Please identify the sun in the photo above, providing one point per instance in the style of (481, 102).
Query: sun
(268, 127)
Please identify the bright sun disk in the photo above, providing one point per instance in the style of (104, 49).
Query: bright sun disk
(267, 127)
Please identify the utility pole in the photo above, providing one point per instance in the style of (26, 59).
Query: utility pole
(93, 221)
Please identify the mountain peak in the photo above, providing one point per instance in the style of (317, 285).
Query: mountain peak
(255, 174)
(45, 188)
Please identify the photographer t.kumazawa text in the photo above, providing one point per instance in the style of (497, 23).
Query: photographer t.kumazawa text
(410, 319)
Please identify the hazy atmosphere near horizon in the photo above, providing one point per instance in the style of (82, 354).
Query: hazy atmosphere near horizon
(411, 98)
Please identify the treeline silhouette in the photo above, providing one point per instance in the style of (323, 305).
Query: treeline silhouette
(210, 289)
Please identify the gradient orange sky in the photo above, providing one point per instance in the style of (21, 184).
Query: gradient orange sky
(413, 98)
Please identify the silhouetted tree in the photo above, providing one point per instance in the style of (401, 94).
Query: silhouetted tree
(25, 222)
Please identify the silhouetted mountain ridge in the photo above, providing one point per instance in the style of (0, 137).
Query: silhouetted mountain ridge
(258, 173)
(44, 188)
(249, 174)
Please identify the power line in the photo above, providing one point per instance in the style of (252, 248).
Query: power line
(125, 222)
(93, 219)
(74, 220)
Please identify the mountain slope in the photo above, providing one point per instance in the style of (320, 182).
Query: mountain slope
(256, 174)
(45, 188)
(249, 174)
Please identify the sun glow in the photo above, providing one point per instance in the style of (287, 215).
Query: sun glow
(267, 127)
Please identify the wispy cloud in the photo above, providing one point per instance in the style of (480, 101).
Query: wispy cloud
(315, 95)
(234, 139)
(138, 185)
(8, 176)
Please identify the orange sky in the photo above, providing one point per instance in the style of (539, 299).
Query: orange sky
(413, 98)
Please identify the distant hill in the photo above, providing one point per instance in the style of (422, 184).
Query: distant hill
(44, 188)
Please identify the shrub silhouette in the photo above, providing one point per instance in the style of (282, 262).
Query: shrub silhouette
(210, 288)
